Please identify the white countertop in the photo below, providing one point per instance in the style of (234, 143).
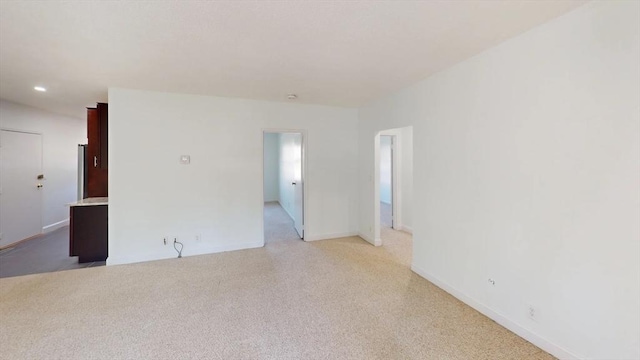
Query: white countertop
(91, 201)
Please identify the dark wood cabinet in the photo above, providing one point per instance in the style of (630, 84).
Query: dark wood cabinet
(103, 119)
(97, 155)
(89, 233)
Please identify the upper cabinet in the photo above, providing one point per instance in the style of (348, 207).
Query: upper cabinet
(97, 156)
(103, 120)
(98, 135)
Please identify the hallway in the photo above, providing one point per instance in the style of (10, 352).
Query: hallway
(385, 215)
(278, 225)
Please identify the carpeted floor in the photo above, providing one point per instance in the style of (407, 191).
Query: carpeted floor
(333, 299)
(278, 225)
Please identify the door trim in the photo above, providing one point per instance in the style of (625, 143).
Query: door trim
(305, 187)
(396, 199)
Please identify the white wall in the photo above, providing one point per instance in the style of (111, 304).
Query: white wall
(406, 178)
(219, 196)
(60, 138)
(290, 144)
(271, 167)
(526, 171)
(385, 169)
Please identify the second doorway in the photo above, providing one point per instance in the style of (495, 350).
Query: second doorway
(283, 184)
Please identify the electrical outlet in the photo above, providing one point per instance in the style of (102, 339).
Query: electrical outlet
(198, 238)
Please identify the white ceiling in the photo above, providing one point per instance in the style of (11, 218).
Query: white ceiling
(342, 53)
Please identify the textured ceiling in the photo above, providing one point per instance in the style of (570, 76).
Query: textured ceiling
(341, 53)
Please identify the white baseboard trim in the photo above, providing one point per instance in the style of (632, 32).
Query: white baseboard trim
(366, 238)
(406, 229)
(287, 211)
(170, 253)
(376, 242)
(329, 236)
(539, 341)
(55, 226)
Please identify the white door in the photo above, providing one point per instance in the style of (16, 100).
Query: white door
(20, 188)
(391, 180)
(298, 201)
(386, 181)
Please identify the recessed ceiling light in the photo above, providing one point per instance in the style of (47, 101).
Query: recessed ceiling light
(292, 96)
(39, 88)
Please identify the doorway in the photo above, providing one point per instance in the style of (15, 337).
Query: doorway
(283, 185)
(393, 184)
(21, 181)
(386, 181)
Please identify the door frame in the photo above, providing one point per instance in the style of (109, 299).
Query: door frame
(303, 141)
(396, 199)
(41, 192)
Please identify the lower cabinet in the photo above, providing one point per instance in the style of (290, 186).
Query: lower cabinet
(89, 233)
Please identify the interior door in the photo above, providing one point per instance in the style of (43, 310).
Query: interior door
(298, 198)
(391, 180)
(20, 188)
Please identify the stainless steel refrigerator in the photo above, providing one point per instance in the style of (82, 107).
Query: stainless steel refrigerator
(82, 171)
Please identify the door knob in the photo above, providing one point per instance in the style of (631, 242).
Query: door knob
(39, 186)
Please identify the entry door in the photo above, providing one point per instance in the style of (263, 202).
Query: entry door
(20, 188)
(298, 208)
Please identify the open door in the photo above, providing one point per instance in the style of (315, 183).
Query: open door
(391, 181)
(386, 168)
(283, 185)
(298, 212)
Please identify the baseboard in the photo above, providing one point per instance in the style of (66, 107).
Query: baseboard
(170, 253)
(366, 238)
(406, 229)
(330, 236)
(526, 334)
(287, 211)
(232, 247)
(55, 226)
(376, 242)
(13, 244)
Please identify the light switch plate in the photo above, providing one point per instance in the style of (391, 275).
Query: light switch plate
(185, 159)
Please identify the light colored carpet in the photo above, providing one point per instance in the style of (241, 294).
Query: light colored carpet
(278, 225)
(333, 299)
